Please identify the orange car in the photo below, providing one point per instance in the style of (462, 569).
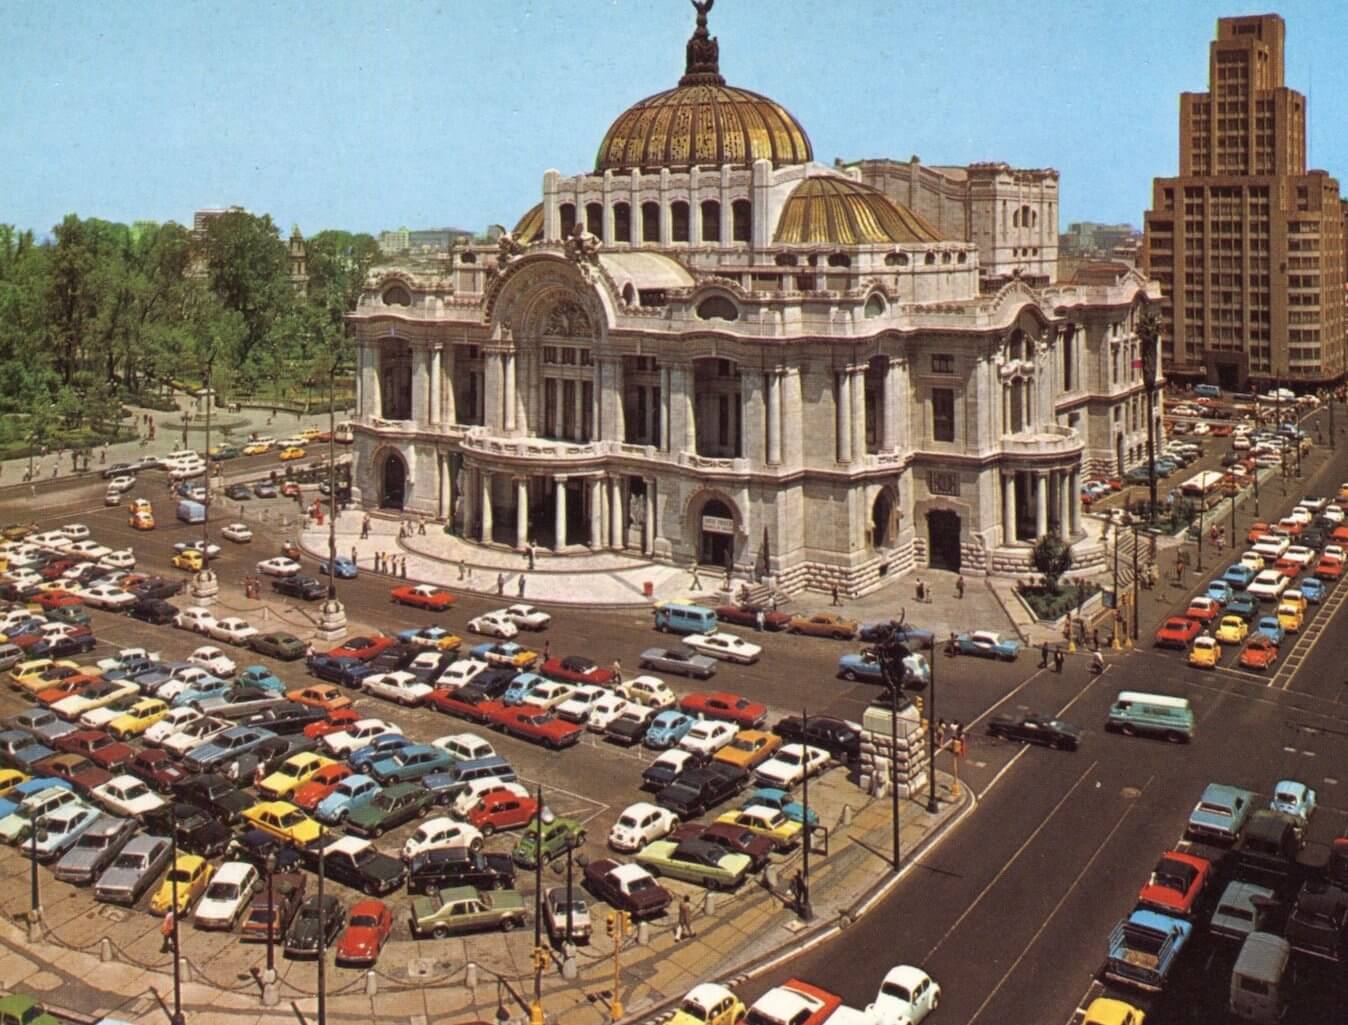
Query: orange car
(63, 689)
(422, 596)
(141, 521)
(1260, 653)
(1329, 567)
(749, 749)
(319, 785)
(1257, 530)
(823, 624)
(328, 698)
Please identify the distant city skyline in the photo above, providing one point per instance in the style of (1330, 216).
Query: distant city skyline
(425, 115)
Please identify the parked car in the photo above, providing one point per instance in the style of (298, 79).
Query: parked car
(988, 644)
(133, 870)
(313, 924)
(838, 737)
(697, 861)
(1220, 813)
(464, 909)
(629, 888)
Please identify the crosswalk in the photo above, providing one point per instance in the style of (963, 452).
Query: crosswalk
(1308, 637)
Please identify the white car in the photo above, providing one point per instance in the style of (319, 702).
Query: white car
(707, 736)
(182, 471)
(605, 710)
(238, 533)
(725, 646)
(174, 721)
(185, 679)
(198, 731)
(650, 691)
(123, 656)
(576, 708)
(108, 596)
(1272, 546)
(232, 630)
(91, 550)
(1314, 503)
(128, 796)
(1334, 514)
(194, 618)
(209, 549)
(549, 694)
(789, 766)
(1300, 555)
(1269, 584)
(494, 624)
(1302, 515)
(1335, 551)
(279, 567)
(229, 893)
(640, 824)
(357, 735)
(457, 673)
(463, 804)
(526, 617)
(74, 706)
(464, 747)
(123, 558)
(439, 833)
(402, 687)
(906, 996)
(75, 531)
(121, 484)
(213, 660)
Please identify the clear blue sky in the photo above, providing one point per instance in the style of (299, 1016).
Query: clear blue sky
(368, 116)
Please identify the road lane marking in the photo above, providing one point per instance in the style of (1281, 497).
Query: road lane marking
(1005, 698)
(1012, 860)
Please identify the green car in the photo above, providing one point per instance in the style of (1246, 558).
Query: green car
(464, 909)
(696, 861)
(389, 808)
(73, 614)
(559, 836)
(286, 647)
(21, 1009)
(226, 452)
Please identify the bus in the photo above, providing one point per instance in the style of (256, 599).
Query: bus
(344, 435)
(1204, 487)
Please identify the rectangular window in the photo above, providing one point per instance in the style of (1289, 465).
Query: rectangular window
(943, 414)
(942, 363)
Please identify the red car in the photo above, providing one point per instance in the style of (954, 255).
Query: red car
(732, 838)
(501, 809)
(1177, 632)
(729, 707)
(1259, 653)
(577, 669)
(1257, 530)
(55, 568)
(1203, 609)
(75, 769)
(1288, 567)
(26, 639)
(1175, 884)
(319, 785)
(362, 648)
(366, 930)
(157, 768)
(64, 688)
(465, 702)
(1339, 535)
(747, 615)
(334, 723)
(422, 596)
(1330, 567)
(49, 600)
(95, 744)
(799, 1003)
(529, 722)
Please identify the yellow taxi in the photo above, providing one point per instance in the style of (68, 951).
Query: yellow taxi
(290, 774)
(35, 669)
(1106, 1011)
(709, 1003)
(141, 521)
(284, 821)
(141, 505)
(1295, 597)
(1232, 630)
(309, 433)
(749, 749)
(192, 873)
(1252, 559)
(256, 448)
(763, 821)
(1205, 652)
(188, 559)
(291, 453)
(138, 718)
(11, 778)
(1290, 617)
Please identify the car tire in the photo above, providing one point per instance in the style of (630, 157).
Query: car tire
(1127, 730)
(487, 829)
(440, 932)
(429, 888)
(848, 674)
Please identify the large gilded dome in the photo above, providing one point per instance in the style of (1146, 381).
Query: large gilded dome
(829, 209)
(702, 121)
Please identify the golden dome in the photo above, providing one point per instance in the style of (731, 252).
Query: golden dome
(529, 227)
(829, 209)
(702, 121)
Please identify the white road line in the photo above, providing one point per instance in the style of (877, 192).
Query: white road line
(1061, 900)
(1012, 860)
(1005, 698)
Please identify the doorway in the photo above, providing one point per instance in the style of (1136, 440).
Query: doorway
(394, 489)
(716, 535)
(943, 540)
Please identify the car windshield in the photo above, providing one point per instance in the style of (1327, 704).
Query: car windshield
(790, 757)
(291, 819)
(1214, 808)
(893, 989)
(694, 1010)
(181, 875)
(131, 861)
(222, 891)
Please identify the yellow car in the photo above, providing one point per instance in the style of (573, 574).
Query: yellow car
(749, 749)
(1289, 617)
(1106, 1011)
(256, 448)
(709, 1003)
(292, 453)
(295, 770)
(309, 433)
(11, 778)
(141, 521)
(188, 559)
(1254, 560)
(1204, 653)
(762, 821)
(33, 670)
(284, 821)
(1232, 630)
(192, 873)
(138, 718)
(1295, 597)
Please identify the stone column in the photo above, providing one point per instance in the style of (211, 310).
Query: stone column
(521, 513)
(443, 491)
(774, 426)
(1008, 508)
(843, 426)
(793, 418)
(449, 401)
(436, 375)
(648, 538)
(596, 510)
(617, 521)
(858, 376)
(682, 420)
(559, 514)
(1065, 503)
(369, 383)
(666, 397)
(485, 496)
(507, 392)
(580, 411)
(612, 427)
(493, 387)
(421, 384)
(1040, 503)
(1074, 500)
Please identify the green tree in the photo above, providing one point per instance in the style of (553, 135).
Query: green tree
(1052, 557)
(249, 273)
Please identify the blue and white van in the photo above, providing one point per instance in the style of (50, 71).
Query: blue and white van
(680, 617)
(191, 512)
(1208, 391)
(1161, 715)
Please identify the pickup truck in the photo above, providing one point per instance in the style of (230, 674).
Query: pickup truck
(463, 909)
(1143, 949)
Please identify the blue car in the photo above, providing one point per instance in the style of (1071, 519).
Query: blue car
(1270, 628)
(518, 691)
(42, 723)
(342, 567)
(1244, 605)
(10, 804)
(210, 687)
(1220, 591)
(61, 828)
(1144, 947)
(1311, 589)
(350, 794)
(860, 665)
(1238, 576)
(667, 729)
(20, 750)
(772, 797)
(988, 644)
(382, 747)
(342, 669)
(262, 677)
(410, 764)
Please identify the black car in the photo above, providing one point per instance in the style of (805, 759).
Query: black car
(256, 846)
(286, 720)
(1036, 729)
(398, 656)
(264, 489)
(346, 671)
(211, 790)
(836, 736)
(1312, 538)
(309, 924)
(156, 587)
(199, 831)
(701, 789)
(277, 644)
(264, 759)
(239, 492)
(300, 586)
(660, 774)
(357, 864)
(493, 683)
(119, 470)
(154, 611)
(62, 647)
(440, 867)
(629, 728)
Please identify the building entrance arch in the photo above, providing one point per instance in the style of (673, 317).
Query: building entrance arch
(392, 481)
(943, 540)
(884, 527)
(716, 534)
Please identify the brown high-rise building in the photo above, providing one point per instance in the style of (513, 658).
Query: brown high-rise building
(1247, 244)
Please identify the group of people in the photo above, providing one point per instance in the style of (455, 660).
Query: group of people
(500, 581)
(406, 528)
(391, 563)
(252, 587)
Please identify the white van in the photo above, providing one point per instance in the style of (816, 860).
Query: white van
(1258, 986)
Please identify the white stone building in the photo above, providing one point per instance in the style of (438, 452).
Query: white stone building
(713, 348)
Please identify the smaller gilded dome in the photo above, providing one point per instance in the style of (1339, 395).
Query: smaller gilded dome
(529, 228)
(830, 209)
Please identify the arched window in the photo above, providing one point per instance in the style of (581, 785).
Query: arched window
(1015, 219)
(678, 221)
(650, 222)
(964, 257)
(711, 221)
(875, 306)
(741, 211)
(622, 222)
(568, 215)
(397, 295)
(468, 257)
(718, 307)
(930, 258)
(629, 294)
(594, 218)
(896, 259)
(839, 260)
(945, 257)
(1024, 216)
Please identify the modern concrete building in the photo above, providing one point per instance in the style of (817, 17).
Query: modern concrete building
(1248, 245)
(712, 348)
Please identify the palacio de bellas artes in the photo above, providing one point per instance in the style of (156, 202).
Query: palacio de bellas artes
(711, 348)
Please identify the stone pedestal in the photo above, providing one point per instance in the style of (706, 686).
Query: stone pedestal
(205, 587)
(331, 620)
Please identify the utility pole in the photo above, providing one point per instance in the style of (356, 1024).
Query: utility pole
(806, 911)
(933, 805)
(322, 944)
(1135, 594)
(540, 957)
(1149, 333)
(177, 1018)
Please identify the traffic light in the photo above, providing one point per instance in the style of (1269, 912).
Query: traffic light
(609, 922)
(540, 959)
(626, 921)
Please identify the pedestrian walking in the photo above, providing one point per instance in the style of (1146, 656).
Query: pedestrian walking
(403, 565)
(1043, 655)
(365, 528)
(353, 556)
(1095, 638)
(500, 583)
(684, 930)
(697, 581)
(521, 588)
(166, 931)
(617, 670)
(835, 595)
(772, 602)
(1059, 657)
(758, 621)
(421, 527)
(547, 650)
(463, 569)
(532, 554)
(959, 586)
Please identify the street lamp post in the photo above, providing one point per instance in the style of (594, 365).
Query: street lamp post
(205, 585)
(933, 805)
(805, 910)
(322, 945)
(35, 915)
(177, 1018)
(269, 976)
(1135, 576)
(536, 1008)
(332, 622)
